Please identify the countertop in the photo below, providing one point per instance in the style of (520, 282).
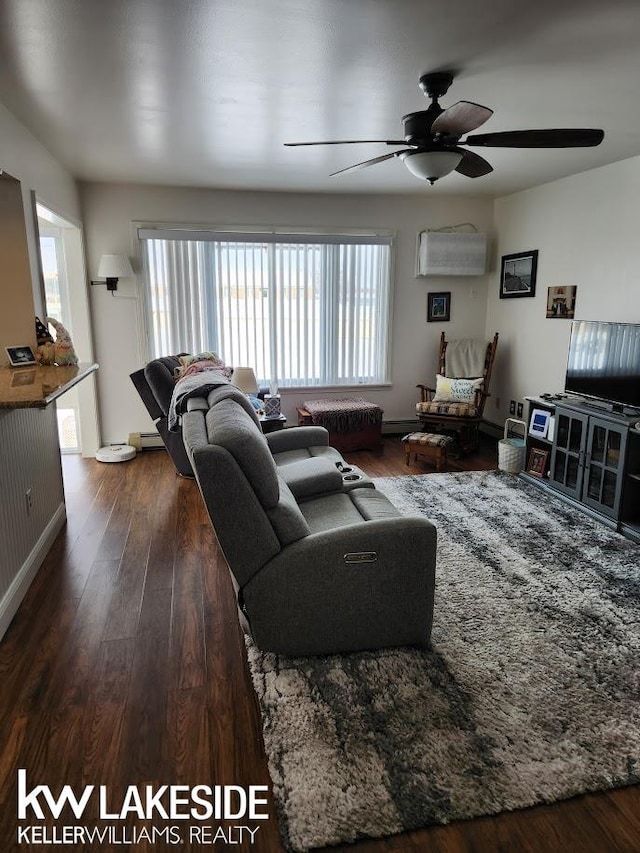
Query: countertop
(35, 386)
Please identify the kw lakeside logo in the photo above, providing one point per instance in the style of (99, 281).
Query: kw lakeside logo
(197, 803)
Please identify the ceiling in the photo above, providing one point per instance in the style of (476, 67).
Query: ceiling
(205, 92)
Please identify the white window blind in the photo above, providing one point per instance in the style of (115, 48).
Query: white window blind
(302, 310)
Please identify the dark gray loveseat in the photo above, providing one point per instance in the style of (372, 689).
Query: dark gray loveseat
(320, 564)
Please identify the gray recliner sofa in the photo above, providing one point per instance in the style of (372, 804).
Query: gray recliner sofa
(321, 561)
(155, 383)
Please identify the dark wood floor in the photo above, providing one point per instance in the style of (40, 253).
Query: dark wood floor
(125, 666)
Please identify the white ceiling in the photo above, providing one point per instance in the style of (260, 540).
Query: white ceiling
(204, 92)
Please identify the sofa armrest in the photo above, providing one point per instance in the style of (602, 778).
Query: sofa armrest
(367, 585)
(407, 539)
(297, 438)
(310, 477)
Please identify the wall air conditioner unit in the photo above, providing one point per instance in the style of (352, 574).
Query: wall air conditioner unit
(451, 253)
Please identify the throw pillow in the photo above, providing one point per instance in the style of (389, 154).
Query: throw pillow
(456, 390)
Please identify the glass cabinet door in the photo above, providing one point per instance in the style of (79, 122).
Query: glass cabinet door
(603, 475)
(567, 455)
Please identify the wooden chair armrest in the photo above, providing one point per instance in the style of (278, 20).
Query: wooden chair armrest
(480, 399)
(425, 393)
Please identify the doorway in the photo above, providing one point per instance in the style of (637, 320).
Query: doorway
(65, 300)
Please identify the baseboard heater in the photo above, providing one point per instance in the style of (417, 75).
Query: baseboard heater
(153, 441)
(400, 427)
(145, 440)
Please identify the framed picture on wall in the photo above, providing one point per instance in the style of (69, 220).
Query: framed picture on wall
(561, 302)
(438, 307)
(518, 275)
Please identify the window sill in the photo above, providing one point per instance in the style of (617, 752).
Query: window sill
(297, 389)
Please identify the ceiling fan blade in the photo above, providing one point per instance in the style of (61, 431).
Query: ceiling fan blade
(564, 138)
(371, 162)
(350, 142)
(473, 165)
(461, 118)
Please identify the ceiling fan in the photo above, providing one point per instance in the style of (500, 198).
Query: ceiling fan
(432, 137)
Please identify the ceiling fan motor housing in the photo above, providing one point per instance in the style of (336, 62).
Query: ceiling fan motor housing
(417, 126)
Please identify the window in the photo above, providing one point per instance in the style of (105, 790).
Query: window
(302, 310)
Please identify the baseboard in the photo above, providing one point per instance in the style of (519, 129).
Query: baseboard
(22, 581)
(493, 430)
(153, 440)
(402, 427)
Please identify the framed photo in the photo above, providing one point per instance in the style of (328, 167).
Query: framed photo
(20, 356)
(537, 462)
(539, 423)
(561, 302)
(438, 307)
(518, 275)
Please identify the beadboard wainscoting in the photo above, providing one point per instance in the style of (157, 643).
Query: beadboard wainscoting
(29, 461)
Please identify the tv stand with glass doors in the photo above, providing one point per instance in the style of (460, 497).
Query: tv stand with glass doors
(589, 457)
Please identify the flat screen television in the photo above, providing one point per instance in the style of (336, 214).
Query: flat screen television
(604, 363)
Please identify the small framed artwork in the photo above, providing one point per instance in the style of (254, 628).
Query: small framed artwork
(518, 275)
(20, 356)
(438, 307)
(561, 302)
(537, 462)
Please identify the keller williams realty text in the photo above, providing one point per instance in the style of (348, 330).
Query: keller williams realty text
(146, 803)
(75, 835)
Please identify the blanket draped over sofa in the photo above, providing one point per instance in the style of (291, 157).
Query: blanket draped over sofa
(197, 385)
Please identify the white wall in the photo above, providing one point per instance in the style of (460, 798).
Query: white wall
(586, 230)
(30, 457)
(29, 161)
(109, 210)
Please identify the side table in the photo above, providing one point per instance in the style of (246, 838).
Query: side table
(272, 424)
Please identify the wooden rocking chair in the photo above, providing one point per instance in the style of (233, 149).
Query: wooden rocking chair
(458, 407)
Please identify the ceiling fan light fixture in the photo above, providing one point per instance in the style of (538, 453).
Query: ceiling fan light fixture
(431, 165)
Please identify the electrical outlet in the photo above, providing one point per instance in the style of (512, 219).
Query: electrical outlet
(512, 407)
(29, 501)
(497, 403)
(519, 410)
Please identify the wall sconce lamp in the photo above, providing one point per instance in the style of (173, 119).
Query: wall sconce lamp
(112, 268)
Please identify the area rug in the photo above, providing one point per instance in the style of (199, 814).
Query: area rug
(530, 694)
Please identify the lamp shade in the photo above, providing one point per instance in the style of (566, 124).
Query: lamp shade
(431, 165)
(114, 266)
(245, 379)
